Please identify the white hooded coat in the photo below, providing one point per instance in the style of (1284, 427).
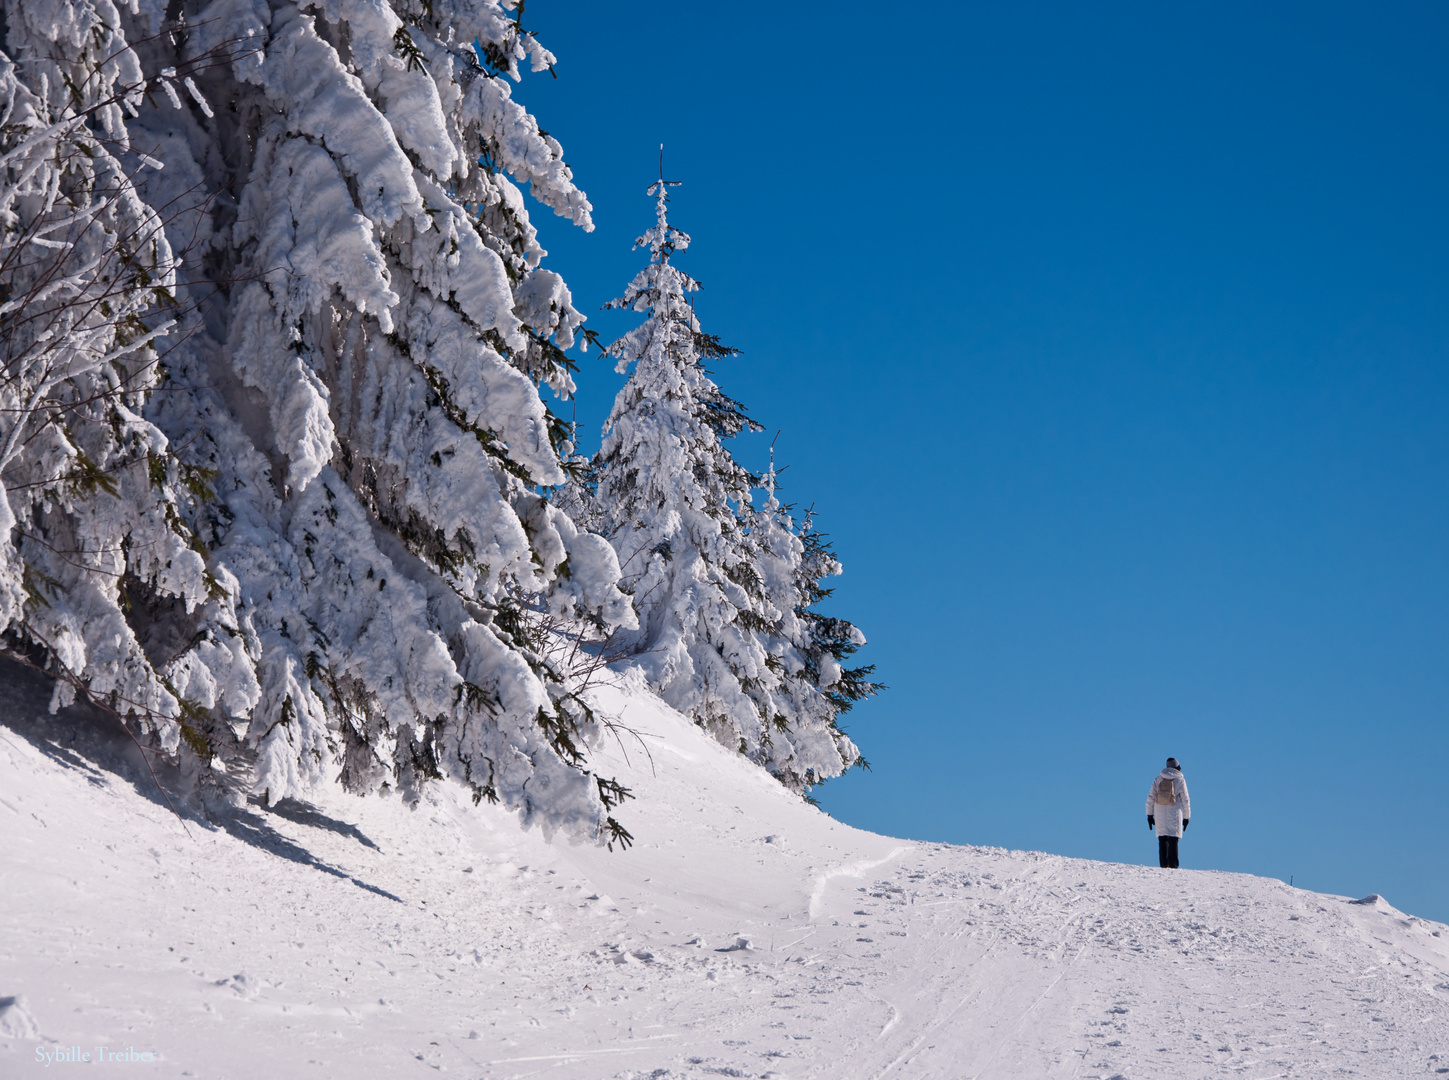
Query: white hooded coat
(1169, 815)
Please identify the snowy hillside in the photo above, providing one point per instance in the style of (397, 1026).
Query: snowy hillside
(745, 934)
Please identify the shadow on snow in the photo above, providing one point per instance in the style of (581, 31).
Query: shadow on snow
(91, 742)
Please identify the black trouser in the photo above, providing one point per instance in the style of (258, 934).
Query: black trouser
(1167, 852)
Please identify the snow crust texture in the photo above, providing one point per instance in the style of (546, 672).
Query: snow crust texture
(745, 934)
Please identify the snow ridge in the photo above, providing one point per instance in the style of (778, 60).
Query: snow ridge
(745, 934)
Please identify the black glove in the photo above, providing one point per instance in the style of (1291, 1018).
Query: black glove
(1151, 822)
(1184, 824)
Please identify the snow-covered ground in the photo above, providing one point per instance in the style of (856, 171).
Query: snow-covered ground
(745, 934)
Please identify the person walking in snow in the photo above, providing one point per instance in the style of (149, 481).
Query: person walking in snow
(1168, 809)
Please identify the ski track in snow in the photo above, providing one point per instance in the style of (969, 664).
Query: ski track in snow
(745, 935)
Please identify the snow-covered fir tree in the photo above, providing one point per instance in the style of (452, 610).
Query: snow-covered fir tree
(806, 649)
(93, 518)
(722, 589)
(358, 567)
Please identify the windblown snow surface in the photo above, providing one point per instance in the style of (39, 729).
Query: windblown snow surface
(745, 935)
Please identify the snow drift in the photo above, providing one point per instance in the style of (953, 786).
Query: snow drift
(745, 934)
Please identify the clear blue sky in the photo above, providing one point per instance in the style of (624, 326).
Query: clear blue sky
(1112, 347)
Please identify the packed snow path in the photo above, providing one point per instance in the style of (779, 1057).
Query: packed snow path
(745, 934)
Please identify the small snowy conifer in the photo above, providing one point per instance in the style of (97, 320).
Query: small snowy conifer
(722, 589)
(672, 496)
(811, 688)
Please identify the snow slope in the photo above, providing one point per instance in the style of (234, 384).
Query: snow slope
(745, 934)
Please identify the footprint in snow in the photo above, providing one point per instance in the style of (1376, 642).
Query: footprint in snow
(243, 985)
(15, 1019)
(634, 956)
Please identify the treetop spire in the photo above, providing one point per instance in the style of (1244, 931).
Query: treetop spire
(663, 240)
